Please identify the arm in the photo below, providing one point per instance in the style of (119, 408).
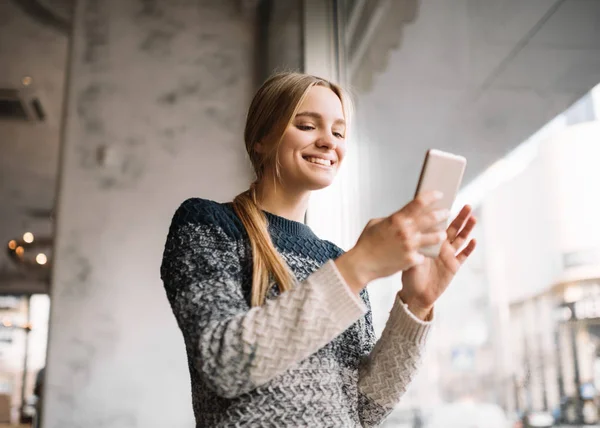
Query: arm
(388, 369)
(235, 348)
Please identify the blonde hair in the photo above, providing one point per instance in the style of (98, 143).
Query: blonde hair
(273, 108)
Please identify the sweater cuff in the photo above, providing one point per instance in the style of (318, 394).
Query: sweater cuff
(344, 305)
(408, 325)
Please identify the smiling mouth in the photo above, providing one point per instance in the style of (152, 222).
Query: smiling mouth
(318, 161)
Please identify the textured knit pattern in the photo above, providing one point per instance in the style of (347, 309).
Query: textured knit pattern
(307, 358)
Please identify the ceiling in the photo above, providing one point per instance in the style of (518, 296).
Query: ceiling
(30, 149)
(57, 14)
(63, 9)
(475, 77)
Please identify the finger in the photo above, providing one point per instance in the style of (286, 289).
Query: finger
(448, 256)
(422, 202)
(458, 222)
(433, 220)
(431, 238)
(468, 250)
(462, 237)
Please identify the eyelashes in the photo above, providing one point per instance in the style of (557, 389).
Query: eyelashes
(312, 128)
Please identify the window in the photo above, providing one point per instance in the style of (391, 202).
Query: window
(509, 85)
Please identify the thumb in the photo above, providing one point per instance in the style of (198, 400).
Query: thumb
(374, 221)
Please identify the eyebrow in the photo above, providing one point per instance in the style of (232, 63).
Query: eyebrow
(316, 115)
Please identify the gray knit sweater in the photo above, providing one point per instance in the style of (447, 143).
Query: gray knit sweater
(308, 357)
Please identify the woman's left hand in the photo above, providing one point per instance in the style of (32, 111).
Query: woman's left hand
(423, 284)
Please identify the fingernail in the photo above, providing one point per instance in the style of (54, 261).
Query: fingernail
(443, 236)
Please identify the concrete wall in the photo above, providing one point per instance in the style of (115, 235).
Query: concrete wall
(158, 92)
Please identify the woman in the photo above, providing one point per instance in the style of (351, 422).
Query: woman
(277, 322)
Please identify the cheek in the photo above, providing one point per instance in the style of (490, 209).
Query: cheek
(295, 137)
(341, 152)
(293, 141)
(289, 153)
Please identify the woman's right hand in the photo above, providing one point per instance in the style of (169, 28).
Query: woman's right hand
(390, 245)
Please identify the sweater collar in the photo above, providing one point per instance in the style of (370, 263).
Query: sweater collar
(290, 227)
(282, 224)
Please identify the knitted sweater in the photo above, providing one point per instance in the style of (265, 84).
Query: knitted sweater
(307, 357)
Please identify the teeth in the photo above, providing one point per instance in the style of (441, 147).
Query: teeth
(319, 161)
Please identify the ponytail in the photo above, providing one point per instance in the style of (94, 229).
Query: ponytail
(266, 261)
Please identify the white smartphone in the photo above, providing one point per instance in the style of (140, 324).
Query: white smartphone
(441, 171)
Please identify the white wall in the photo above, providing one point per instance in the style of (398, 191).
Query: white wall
(161, 89)
(544, 212)
(529, 222)
(572, 174)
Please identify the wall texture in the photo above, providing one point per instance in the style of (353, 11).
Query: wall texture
(158, 92)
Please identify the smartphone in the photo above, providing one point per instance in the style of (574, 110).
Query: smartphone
(441, 171)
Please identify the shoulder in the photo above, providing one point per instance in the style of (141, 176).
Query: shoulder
(196, 212)
(334, 250)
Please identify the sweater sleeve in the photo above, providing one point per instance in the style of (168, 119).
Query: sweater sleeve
(235, 348)
(387, 370)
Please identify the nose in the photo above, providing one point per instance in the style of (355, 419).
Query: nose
(326, 141)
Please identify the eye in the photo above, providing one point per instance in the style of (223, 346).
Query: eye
(338, 134)
(305, 127)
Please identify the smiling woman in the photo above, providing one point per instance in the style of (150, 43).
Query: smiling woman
(315, 135)
(277, 322)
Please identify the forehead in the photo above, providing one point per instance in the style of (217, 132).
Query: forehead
(324, 101)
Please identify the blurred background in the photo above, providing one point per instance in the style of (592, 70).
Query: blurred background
(112, 112)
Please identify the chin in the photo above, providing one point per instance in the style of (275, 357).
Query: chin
(311, 179)
(313, 184)
(317, 187)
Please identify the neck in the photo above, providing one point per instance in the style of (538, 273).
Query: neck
(284, 202)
